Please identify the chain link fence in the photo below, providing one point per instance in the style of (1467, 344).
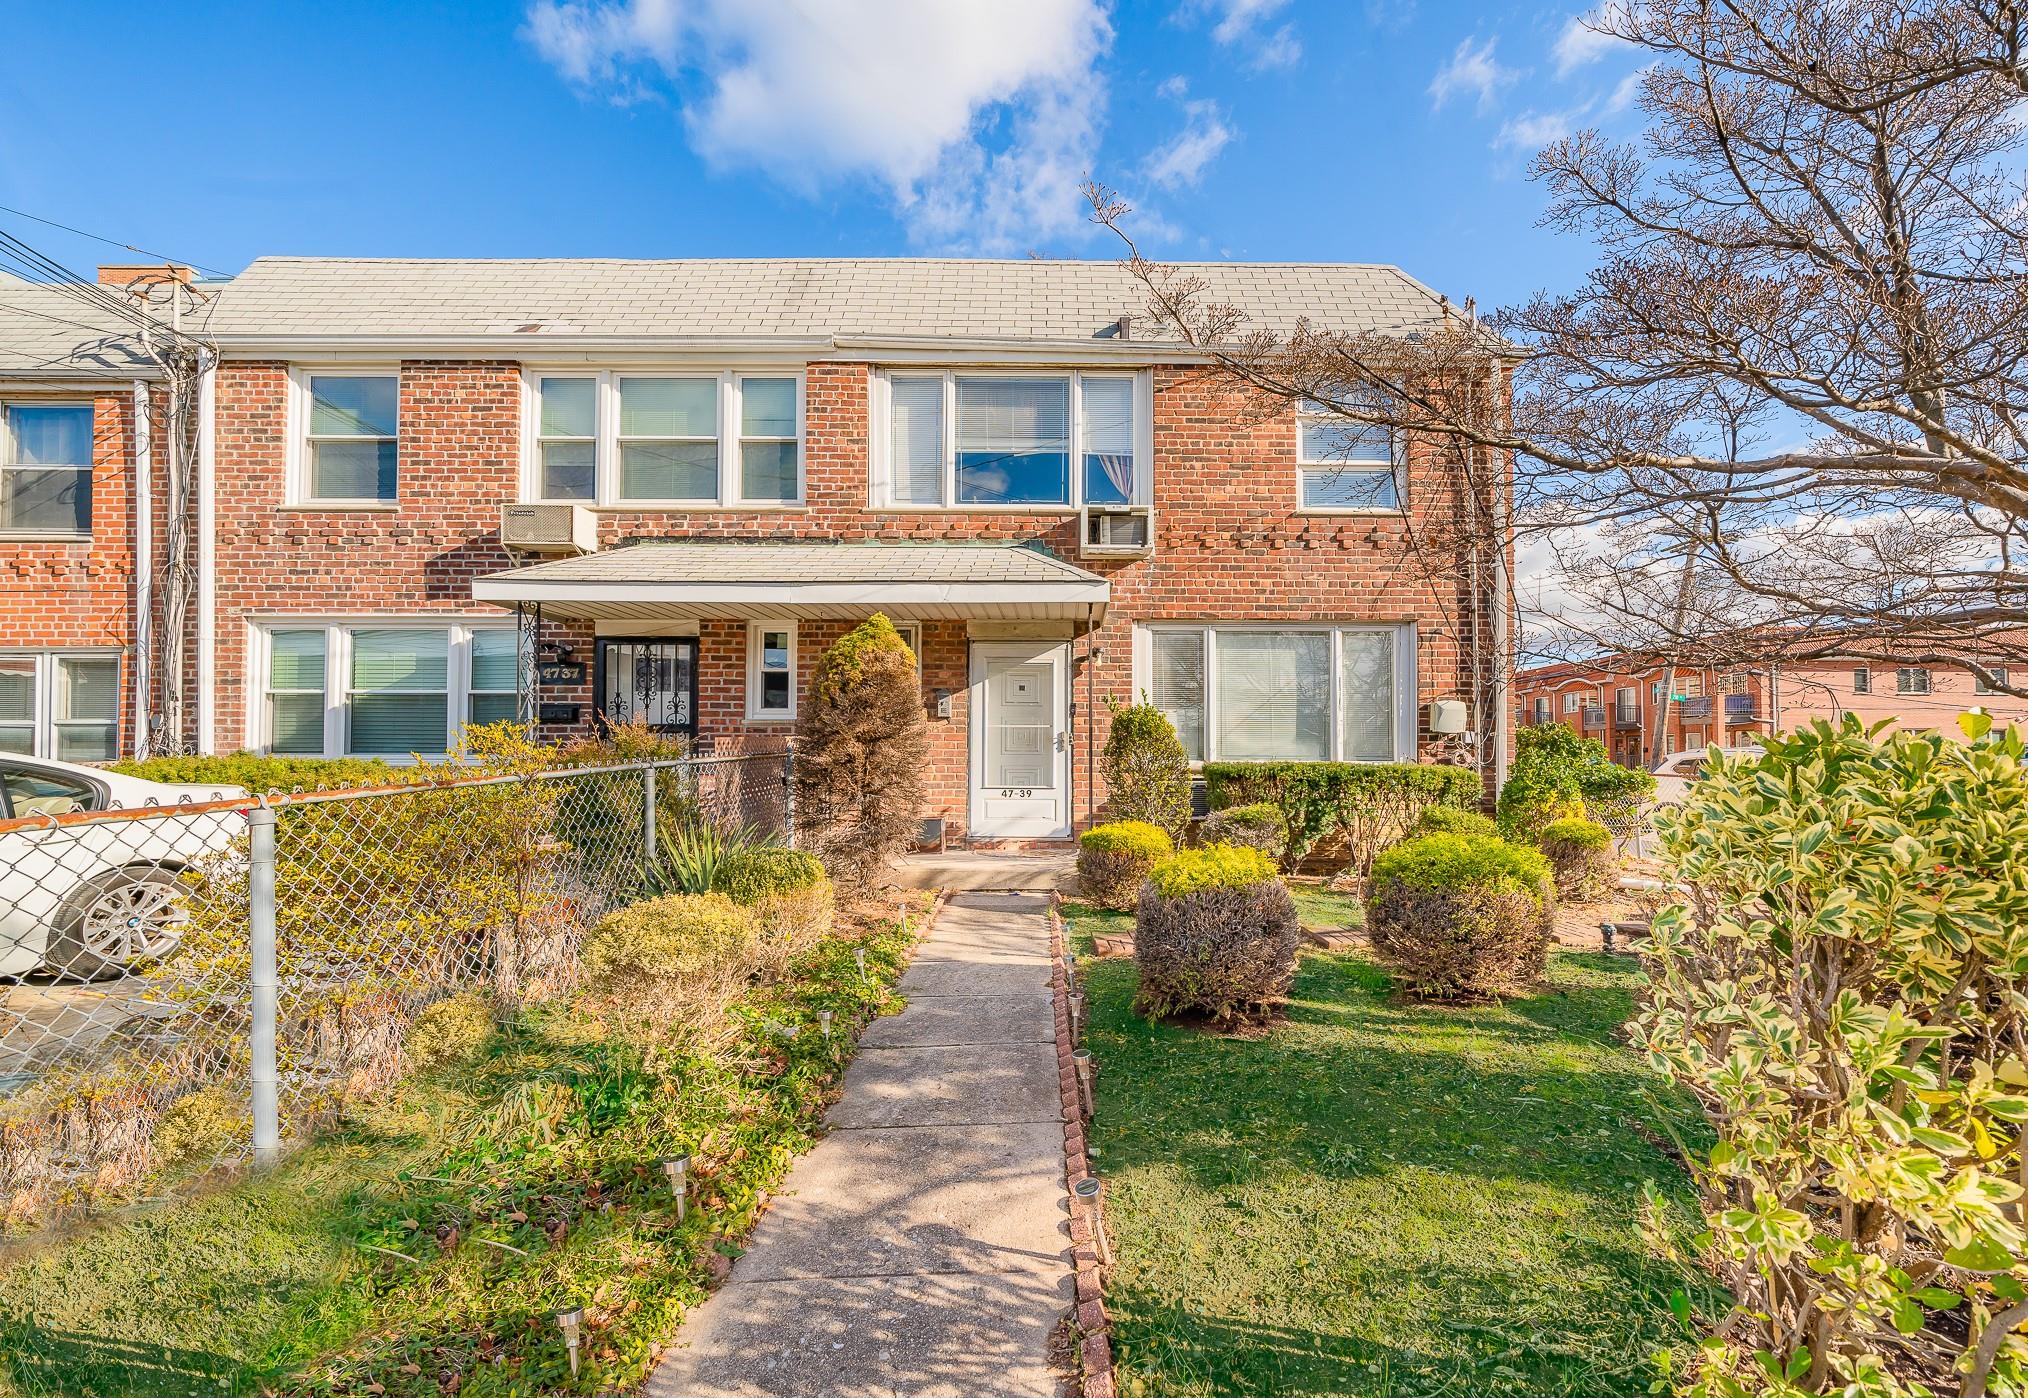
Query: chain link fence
(189, 988)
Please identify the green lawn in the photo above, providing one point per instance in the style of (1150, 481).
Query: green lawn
(1381, 1198)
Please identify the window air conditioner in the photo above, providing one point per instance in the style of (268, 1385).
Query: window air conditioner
(549, 528)
(1118, 531)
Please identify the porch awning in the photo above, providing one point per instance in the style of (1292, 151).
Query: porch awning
(696, 580)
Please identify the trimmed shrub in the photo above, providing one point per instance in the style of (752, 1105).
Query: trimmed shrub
(1581, 855)
(1257, 826)
(1114, 859)
(1146, 771)
(682, 958)
(260, 773)
(1559, 775)
(1462, 915)
(1449, 820)
(1216, 935)
(1840, 990)
(861, 743)
(788, 891)
(202, 1128)
(1365, 805)
(451, 1031)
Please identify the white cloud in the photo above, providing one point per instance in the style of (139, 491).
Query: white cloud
(1245, 24)
(1533, 130)
(1624, 92)
(1181, 159)
(978, 118)
(1472, 70)
(1580, 44)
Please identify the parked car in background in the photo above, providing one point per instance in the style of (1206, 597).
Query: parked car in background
(97, 898)
(1677, 772)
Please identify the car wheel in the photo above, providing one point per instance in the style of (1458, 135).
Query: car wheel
(116, 921)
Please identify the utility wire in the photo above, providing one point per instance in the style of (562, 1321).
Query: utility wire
(113, 242)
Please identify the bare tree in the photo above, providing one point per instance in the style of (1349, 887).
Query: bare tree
(1822, 227)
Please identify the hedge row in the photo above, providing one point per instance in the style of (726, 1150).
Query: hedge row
(1370, 804)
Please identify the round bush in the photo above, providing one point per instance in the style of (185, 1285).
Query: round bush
(673, 949)
(1216, 935)
(788, 891)
(1112, 860)
(200, 1128)
(451, 1031)
(1462, 915)
(1257, 826)
(1449, 820)
(1581, 855)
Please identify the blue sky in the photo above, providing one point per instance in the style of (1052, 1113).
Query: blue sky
(1388, 131)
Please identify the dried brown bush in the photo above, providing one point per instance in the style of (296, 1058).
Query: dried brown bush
(1226, 952)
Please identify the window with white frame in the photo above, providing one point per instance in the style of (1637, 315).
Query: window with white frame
(1345, 465)
(687, 440)
(1862, 681)
(911, 635)
(1573, 702)
(350, 444)
(1255, 693)
(1996, 685)
(60, 704)
(771, 669)
(1626, 704)
(1012, 440)
(46, 468)
(1542, 713)
(1911, 679)
(384, 688)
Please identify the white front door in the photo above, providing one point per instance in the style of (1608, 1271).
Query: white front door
(1020, 749)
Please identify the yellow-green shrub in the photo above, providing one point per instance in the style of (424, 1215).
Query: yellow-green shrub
(788, 891)
(676, 961)
(1215, 935)
(451, 1031)
(1112, 860)
(202, 1127)
(1580, 852)
(1212, 866)
(1462, 915)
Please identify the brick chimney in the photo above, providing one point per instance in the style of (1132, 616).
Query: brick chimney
(127, 274)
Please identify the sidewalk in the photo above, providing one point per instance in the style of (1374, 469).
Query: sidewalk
(922, 1247)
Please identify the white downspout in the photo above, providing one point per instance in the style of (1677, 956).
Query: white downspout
(207, 565)
(144, 561)
(1503, 656)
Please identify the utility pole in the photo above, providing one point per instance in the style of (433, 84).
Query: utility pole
(1659, 747)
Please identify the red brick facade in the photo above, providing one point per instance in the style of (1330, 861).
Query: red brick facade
(1231, 545)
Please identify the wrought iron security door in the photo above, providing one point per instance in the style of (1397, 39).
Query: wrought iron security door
(652, 681)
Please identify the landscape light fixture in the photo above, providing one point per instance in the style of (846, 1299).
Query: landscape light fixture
(859, 955)
(677, 1168)
(569, 1322)
(1088, 1190)
(824, 1021)
(1081, 1060)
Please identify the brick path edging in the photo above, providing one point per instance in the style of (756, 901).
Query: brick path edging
(1095, 1350)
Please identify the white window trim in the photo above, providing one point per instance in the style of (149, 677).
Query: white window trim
(606, 442)
(87, 468)
(1862, 679)
(1395, 466)
(1573, 702)
(42, 724)
(1405, 648)
(880, 474)
(296, 475)
(1928, 681)
(1980, 687)
(338, 675)
(755, 630)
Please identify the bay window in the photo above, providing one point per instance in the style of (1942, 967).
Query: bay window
(1240, 693)
(1343, 465)
(46, 468)
(391, 688)
(979, 440)
(60, 704)
(688, 441)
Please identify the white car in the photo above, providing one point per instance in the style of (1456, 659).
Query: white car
(1675, 773)
(95, 898)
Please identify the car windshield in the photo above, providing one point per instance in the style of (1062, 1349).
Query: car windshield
(31, 792)
(1688, 767)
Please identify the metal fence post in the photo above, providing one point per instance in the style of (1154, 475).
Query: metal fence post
(789, 794)
(267, 1134)
(648, 813)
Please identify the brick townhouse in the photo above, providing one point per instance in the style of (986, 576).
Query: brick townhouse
(1628, 705)
(441, 492)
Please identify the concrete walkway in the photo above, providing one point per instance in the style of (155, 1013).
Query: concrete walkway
(922, 1247)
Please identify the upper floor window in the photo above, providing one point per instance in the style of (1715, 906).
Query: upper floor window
(1626, 705)
(1573, 702)
(1542, 714)
(1862, 681)
(1910, 679)
(655, 440)
(350, 443)
(46, 468)
(1345, 465)
(1013, 440)
(1980, 685)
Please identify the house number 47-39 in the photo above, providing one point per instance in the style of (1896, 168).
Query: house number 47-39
(1023, 792)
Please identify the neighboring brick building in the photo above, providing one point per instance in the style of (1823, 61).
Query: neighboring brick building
(1623, 702)
(1062, 514)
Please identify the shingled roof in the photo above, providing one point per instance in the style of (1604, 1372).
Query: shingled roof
(849, 299)
(49, 332)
